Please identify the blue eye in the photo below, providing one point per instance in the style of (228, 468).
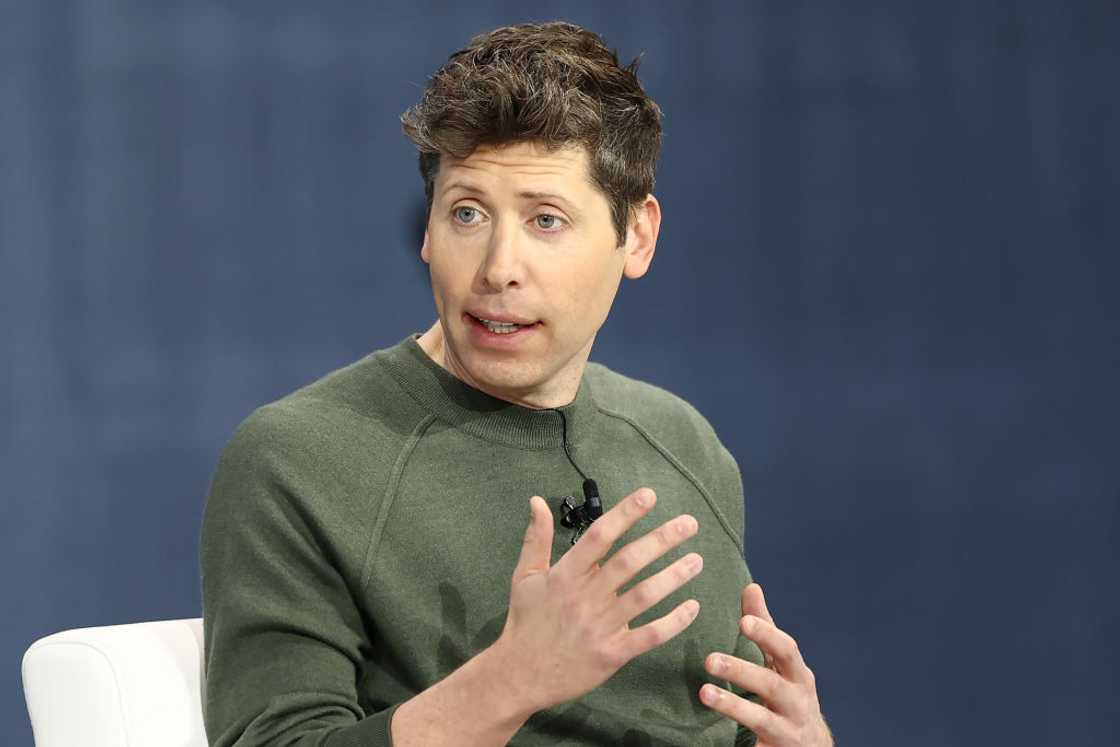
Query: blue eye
(553, 221)
(458, 212)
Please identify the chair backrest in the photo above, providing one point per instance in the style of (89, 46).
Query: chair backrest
(137, 685)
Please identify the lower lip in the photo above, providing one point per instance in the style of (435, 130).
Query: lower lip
(483, 336)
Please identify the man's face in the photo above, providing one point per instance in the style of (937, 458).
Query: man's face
(518, 234)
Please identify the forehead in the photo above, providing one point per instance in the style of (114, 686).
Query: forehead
(523, 163)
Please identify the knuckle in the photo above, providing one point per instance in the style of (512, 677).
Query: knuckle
(645, 638)
(628, 560)
(687, 615)
(685, 568)
(653, 636)
(596, 533)
(611, 657)
(765, 721)
(666, 535)
(770, 683)
(646, 594)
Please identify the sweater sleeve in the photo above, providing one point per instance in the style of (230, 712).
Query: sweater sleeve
(283, 635)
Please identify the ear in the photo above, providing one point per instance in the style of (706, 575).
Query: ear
(641, 237)
(425, 253)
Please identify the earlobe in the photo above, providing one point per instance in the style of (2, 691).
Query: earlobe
(641, 239)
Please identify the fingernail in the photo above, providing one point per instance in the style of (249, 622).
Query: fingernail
(710, 693)
(644, 499)
(718, 663)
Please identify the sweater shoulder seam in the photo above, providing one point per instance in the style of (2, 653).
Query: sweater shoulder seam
(678, 465)
(390, 495)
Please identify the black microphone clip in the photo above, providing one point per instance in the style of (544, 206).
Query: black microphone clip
(580, 517)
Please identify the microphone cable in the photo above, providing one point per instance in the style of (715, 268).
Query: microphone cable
(578, 517)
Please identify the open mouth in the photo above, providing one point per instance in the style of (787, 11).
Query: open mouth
(500, 328)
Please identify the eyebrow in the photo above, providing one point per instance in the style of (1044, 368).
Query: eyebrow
(528, 195)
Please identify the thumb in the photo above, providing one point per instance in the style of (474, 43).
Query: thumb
(536, 551)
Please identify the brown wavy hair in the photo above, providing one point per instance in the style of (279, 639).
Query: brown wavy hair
(554, 84)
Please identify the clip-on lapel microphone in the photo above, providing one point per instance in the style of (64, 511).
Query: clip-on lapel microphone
(573, 516)
(580, 517)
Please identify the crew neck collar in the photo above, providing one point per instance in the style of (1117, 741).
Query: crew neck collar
(472, 410)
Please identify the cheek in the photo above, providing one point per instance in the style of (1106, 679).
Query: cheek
(593, 288)
(448, 272)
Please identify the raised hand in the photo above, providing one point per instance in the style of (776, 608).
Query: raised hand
(790, 714)
(567, 630)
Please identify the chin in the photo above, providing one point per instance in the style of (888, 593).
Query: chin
(511, 375)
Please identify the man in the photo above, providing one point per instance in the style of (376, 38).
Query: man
(367, 575)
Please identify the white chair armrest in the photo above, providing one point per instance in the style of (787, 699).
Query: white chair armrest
(136, 685)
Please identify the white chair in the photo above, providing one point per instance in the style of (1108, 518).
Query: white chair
(137, 685)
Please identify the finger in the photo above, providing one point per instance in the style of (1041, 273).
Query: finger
(780, 646)
(651, 635)
(604, 531)
(761, 720)
(776, 692)
(655, 588)
(536, 550)
(754, 602)
(627, 562)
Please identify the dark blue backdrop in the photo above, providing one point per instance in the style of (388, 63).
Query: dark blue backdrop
(886, 274)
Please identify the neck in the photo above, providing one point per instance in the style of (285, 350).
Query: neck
(559, 391)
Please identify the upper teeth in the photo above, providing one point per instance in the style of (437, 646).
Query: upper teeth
(499, 326)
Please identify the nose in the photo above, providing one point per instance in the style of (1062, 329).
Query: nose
(502, 266)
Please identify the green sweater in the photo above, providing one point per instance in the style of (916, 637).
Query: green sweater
(360, 535)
